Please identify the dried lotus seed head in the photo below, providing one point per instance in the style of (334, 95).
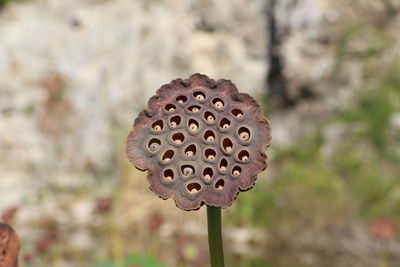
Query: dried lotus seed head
(195, 160)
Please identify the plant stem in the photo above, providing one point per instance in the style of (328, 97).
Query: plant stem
(215, 237)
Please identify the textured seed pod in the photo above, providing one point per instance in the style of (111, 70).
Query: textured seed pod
(9, 246)
(201, 141)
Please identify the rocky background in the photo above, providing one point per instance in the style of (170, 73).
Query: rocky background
(74, 74)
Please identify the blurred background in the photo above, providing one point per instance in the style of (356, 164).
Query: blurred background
(74, 74)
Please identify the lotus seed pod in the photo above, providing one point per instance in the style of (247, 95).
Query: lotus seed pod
(212, 148)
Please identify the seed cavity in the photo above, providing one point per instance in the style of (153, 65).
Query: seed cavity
(219, 185)
(227, 145)
(170, 107)
(223, 165)
(209, 136)
(190, 150)
(237, 113)
(194, 109)
(218, 103)
(209, 117)
(193, 125)
(169, 175)
(168, 155)
(154, 144)
(175, 121)
(225, 123)
(236, 171)
(193, 188)
(243, 155)
(208, 173)
(199, 96)
(157, 125)
(178, 138)
(187, 170)
(181, 99)
(210, 154)
(244, 134)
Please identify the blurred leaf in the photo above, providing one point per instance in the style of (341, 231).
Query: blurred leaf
(135, 260)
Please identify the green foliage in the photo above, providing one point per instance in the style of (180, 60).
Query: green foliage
(4, 2)
(133, 260)
(360, 179)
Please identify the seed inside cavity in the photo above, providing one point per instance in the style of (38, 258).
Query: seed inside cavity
(200, 97)
(193, 187)
(170, 107)
(210, 118)
(219, 104)
(220, 184)
(154, 146)
(223, 165)
(210, 139)
(244, 134)
(237, 113)
(225, 126)
(190, 150)
(181, 99)
(187, 170)
(168, 175)
(210, 157)
(193, 127)
(243, 155)
(236, 171)
(228, 149)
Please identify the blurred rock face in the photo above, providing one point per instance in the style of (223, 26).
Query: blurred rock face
(73, 72)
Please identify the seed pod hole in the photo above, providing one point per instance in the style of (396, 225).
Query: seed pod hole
(208, 174)
(178, 138)
(175, 121)
(181, 99)
(218, 103)
(223, 165)
(244, 134)
(190, 150)
(243, 155)
(237, 113)
(154, 144)
(210, 154)
(219, 185)
(194, 109)
(209, 117)
(225, 123)
(236, 171)
(209, 136)
(187, 170)
(168, 155)
(169, 175)
(170, 107)
(199, 96)
(227, 145)
(157, 125)
(193, 125)
(193, 188)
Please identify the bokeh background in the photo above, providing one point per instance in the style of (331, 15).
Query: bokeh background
(75, 73)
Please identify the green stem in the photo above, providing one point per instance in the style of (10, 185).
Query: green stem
(215, 237)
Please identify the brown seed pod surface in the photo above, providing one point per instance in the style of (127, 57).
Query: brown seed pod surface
(9, 246)
(201, 141)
